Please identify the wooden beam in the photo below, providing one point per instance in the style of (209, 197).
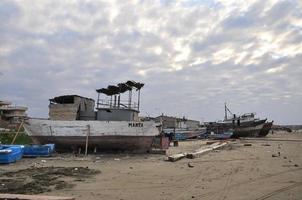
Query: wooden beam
(87, 138)
(32, 197)
(201, 151)
(16, 135)
(197, 152)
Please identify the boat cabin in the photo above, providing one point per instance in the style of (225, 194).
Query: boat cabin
(71, 107)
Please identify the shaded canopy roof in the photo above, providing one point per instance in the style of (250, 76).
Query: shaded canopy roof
(120, 88)
(137, 85)
(124, 87)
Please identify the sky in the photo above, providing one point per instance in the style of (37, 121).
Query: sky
(193, 55)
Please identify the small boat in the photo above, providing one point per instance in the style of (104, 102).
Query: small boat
(38, 150)
(187, 134)
(221, 136)
(184, 134)
(10, 153)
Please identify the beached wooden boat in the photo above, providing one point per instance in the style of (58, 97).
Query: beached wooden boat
(245, 125)
(114, 125)
(103, 135)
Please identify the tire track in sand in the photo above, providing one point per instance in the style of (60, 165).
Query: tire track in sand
(275, 192)
(250, 181)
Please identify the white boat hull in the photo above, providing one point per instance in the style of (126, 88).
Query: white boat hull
(103, 135)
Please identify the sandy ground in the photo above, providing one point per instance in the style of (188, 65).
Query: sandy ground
(236, 172)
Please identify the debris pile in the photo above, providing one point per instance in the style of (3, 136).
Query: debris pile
(44, 179)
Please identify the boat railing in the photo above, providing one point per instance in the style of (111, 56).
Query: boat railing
(105, 103)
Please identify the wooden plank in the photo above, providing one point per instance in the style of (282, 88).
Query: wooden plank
(220, 145)
(205, 150)
(32, 197)
(209, 145)
(197, 152)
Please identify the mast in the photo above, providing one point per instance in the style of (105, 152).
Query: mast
(225, 112)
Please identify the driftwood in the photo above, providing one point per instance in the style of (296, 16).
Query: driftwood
(32, 197)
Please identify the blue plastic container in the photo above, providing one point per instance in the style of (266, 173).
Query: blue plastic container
(16, 148)
(38, 150)
(10, 153)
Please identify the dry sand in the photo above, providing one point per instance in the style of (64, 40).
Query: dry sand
(236, 172)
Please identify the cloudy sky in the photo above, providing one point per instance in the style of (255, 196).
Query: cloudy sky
(193, 55)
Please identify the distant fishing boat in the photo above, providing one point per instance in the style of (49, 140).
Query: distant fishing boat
(245, 125)
(114, 125)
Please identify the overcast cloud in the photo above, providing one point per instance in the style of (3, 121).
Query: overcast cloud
(193, 55)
